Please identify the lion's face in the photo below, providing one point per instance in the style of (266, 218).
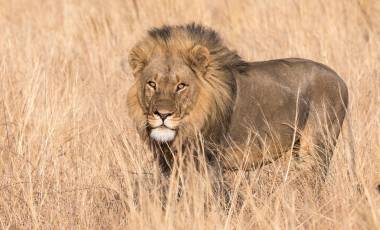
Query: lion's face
(169, 91)
(181, 89)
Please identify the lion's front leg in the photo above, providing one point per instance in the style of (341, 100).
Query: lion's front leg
(165, 164)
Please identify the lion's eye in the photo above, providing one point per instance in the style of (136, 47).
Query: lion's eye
(181, 86)
(152, 84)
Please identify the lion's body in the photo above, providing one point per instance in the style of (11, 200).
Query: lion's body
(269, 107)
(275, 98)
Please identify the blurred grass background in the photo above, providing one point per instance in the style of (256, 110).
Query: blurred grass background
(69, 153)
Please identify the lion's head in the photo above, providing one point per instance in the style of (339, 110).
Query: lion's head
(183, 83)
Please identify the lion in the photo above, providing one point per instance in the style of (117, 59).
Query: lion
(189, 84)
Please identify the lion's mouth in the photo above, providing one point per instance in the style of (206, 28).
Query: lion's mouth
(162, 134)
(168, 123)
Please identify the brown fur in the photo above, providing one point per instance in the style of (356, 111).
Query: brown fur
(233, 104)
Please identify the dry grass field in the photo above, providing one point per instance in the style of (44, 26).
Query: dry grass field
(71, 159)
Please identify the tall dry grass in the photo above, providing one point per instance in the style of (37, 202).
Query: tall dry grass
(71, 159)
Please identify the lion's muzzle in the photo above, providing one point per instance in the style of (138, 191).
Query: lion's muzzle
(163, 124)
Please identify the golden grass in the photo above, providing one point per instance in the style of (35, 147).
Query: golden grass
(69, 152)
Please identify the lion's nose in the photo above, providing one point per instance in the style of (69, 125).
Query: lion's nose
(163, 114)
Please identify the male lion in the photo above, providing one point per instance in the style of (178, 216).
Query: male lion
(187, 82)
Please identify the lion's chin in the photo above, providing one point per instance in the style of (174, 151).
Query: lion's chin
(162, 134)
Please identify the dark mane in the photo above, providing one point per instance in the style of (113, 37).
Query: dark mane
(200, 35)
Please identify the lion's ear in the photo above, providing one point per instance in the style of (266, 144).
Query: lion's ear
(137, 59)
(199, 58)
